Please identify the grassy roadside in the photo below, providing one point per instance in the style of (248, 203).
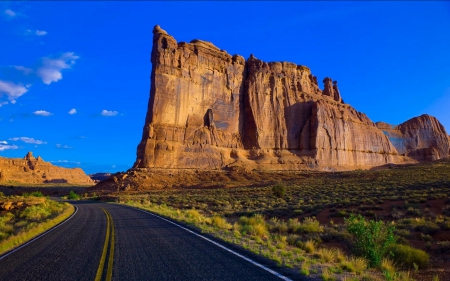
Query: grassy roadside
(18, 226)
(261, 237)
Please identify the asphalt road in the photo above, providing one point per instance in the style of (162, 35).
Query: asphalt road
(105, 241)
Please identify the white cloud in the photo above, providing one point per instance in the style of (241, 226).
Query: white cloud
(23, 69)
(41, 32)
(10, 13)
(28, 140)
(65, 161)
(13, 101)
(42, 113)
(3, 142)
(108, 113)
(12, 91)
(3, 103)
(63, 146)
(50, 71)
(72, 111)
(6, 147)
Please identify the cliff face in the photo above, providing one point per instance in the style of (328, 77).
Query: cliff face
(422, 138)
(35, 170)
(210, 110)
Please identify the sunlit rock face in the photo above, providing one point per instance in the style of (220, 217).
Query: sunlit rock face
(422, 138)
(35, 170)
(212, 110)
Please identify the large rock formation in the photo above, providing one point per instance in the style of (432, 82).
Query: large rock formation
(35, 170)
(211, 110)
(422, 138)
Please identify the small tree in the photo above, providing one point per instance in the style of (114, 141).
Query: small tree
(279, 190)
(371, 238)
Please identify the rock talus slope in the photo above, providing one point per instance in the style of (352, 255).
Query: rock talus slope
(212, 110)
(35, 170)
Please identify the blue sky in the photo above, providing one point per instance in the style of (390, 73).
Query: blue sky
(92, 59)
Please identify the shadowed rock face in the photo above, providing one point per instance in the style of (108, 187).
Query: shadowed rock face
(422, 138)
(211, 110)
(35, 170)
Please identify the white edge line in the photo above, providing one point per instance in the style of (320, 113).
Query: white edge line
(39, 236)
(221, 246)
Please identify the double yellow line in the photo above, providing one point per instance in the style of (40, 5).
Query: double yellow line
(109, 243)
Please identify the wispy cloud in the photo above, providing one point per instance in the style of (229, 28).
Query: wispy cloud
(12, 90)
(23, 69)
(72, 111)
(41, 32)
(6, 147)
(50, 71)
(58, 145)
(108, 113)
(65, 161)
(10, 13)
(28, 140)
(42, 113)
(3, 142)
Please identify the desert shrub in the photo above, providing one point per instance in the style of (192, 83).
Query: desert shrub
(193, 216)
(73, 195)
(443, 246)
(370, 238)
(326, 254)
(279, 190)
(279, 227)
(292, 239)
(34, 194)
(35, 213)
(310, 225)
(408, 256)
(220, 222)
(309, 246)
(254, 225)
(428, 227)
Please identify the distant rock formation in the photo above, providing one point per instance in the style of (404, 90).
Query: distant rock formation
(35, 170)
(212, 110)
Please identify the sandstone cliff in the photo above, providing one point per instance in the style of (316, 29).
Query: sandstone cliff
(212, 110)
(35, 170)
(422, 138)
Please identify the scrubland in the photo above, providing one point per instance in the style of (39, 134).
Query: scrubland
(27, 216)
(388, 224)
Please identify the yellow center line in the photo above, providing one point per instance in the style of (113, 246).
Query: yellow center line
(111, 252)
(108, 241)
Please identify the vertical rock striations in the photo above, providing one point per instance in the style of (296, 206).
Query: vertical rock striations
(211, 110)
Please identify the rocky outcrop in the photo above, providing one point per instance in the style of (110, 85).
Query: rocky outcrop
(35, 170)
(422, 138)
(212, 110)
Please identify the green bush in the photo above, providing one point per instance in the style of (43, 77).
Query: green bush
(35, 213)
(279, 190)
(34, 194)
(370, 238)
(408, 256)
(73, 195)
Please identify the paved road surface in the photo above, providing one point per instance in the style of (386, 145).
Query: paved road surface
(144, 248)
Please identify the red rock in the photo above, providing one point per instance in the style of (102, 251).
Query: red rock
(422, 138)
(35, 170)
(211, 110)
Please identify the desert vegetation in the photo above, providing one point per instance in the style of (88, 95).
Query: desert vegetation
(26, 216)
(391, 224)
